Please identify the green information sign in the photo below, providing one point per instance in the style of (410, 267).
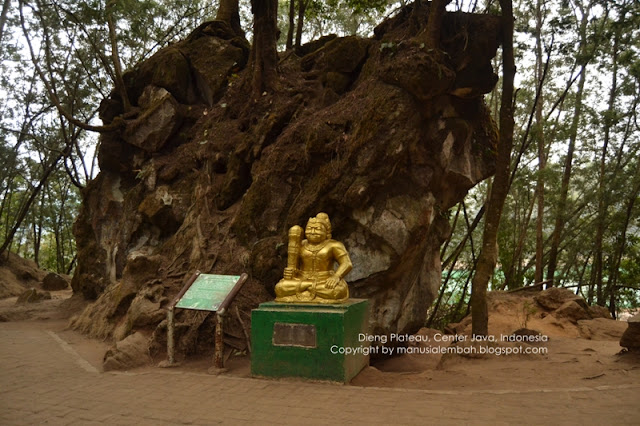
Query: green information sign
(207, 292)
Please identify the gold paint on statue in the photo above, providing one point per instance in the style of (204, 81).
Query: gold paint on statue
(309, 276)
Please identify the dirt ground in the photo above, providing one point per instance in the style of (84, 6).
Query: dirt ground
(562, 362)
(569, 363)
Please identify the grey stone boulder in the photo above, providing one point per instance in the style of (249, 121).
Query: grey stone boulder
(131, 352)
(552, 298)
(599, 312)
(631, 337)
(54, 282)
(572, 311)
(157, 123)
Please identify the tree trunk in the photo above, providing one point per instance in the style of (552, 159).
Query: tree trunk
(3, 20)
(292, 12)
(229, 12)
(457, 318)
(264, 54)
(434, 23)
(542, 161)
(37, 231)
(115, 57)
(443, 287)
(462, 243)
(568, 162)
(302, 7)
(514, 272)
(603, 197)
(582, 272)
(489, 252)
(443, 250)
(59, 246)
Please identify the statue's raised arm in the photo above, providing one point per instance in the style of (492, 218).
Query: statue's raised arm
(309, 276)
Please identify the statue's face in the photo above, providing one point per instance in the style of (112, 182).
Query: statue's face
(315, 232)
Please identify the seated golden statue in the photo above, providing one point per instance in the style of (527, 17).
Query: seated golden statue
(309, 276)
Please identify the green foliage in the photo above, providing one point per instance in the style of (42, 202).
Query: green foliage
(447, 314)
(630, 275)
(342, 17)
(453, 307)
(71, 46)
(591, 192)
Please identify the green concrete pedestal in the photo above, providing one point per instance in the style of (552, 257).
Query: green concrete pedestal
(311, 341)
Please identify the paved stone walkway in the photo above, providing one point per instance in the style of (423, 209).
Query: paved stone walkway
(44, 381)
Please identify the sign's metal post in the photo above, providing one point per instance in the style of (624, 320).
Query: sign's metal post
(220, 313)
(170, 321)
(218, 357)
(170, 344)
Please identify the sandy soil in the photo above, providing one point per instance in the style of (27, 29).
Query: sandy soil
(569, 363)
(563, 362)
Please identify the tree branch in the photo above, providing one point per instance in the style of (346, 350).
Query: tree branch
(115, 57)
(115, 125)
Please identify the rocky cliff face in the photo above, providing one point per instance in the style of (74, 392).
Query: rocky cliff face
(383, 134)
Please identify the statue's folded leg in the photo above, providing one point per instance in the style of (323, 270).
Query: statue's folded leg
(339, 292)
(286, 288)
(291, 287)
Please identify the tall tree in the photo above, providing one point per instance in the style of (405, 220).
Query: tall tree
(3, 20)
(292, 24)
(603, 197)
(115, 57)
(542, 160)
(264, 57)
(500, 187)
(302, 7)
(584, 57)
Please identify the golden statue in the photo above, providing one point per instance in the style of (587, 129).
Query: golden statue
(309, 276)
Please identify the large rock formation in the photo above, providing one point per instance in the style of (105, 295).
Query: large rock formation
(383, 134)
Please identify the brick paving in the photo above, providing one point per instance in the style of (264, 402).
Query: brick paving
(44, 381)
